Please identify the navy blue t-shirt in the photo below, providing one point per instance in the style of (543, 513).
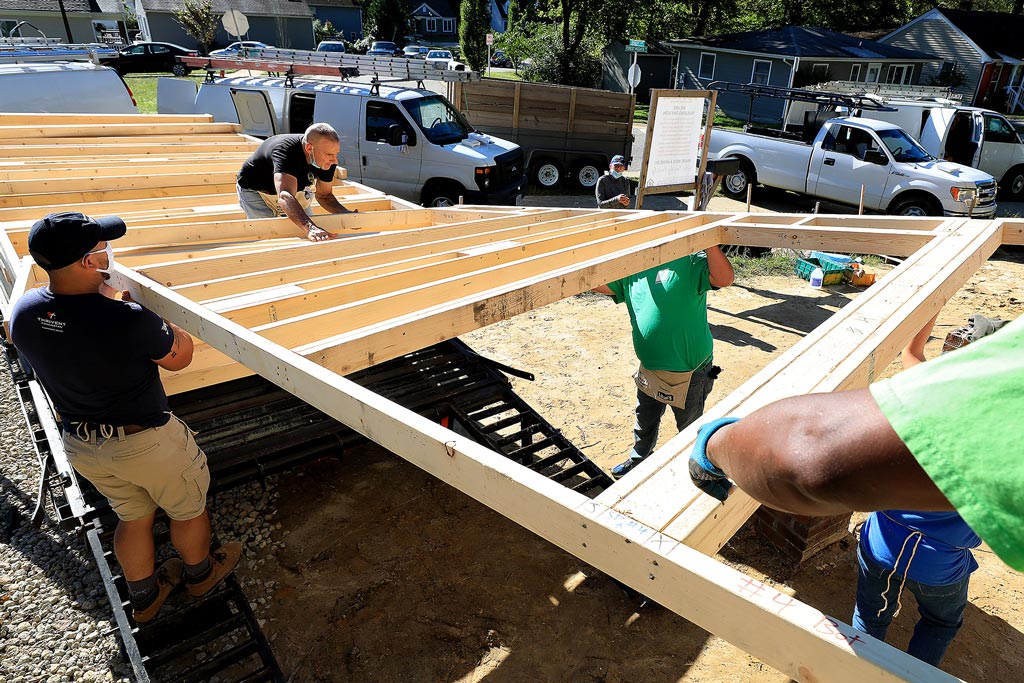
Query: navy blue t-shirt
(94, 356)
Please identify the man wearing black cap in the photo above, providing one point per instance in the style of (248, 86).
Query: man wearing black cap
(612, 190)
(98, 358)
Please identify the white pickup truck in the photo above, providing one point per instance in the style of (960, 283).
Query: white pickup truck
(846, 153)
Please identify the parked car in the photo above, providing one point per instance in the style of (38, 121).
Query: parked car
(331, 46)
(415, 51)
(233, 49)
(443, 59)
(150, 58)
(501, 60)
(383, 48)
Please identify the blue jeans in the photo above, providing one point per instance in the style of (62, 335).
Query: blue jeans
(941, 609)
(252, 203)
(649, 412)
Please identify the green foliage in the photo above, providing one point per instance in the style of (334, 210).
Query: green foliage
(474, 25)
(131, 19)
(555, 61)
(199, 21)
(324, 30)
(951, 76)
(386, 19)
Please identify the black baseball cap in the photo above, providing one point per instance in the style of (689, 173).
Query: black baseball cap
(60, 239)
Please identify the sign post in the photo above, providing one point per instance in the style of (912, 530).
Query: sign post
(490, 42)
(636, 47)
(676, 153)
(235, 23)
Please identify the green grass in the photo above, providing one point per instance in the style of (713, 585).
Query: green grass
(144, 89)
(776, 263)
(504, 75)
(723, 121)
(641, 113)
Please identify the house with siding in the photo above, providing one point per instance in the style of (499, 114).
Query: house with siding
(281, 23)
(346, 16)
(790, 57)
(87, 19)
(435, 21)
(984, 51)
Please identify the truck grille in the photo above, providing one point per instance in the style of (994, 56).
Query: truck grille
(986, 193)
(509, 168)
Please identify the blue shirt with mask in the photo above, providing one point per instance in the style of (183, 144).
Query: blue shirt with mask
(94, 356)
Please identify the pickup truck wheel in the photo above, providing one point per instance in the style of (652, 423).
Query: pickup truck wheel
(547, 173)
(179, 70)
(915, 206)
(735, 186)
(1013, 183)
(585, 174)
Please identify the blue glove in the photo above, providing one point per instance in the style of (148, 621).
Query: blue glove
(704, 475)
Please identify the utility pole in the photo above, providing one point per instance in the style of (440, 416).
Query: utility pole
(64, 16)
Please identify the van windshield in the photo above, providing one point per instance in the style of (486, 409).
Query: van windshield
(438, 120)
(903, 147)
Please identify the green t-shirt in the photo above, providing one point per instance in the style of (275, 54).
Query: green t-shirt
(958, 414)
(669, 312)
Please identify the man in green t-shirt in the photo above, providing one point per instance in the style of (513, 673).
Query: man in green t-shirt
(940, 436)
(669, 314)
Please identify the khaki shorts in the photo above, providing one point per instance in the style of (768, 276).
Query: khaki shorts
(162, 467)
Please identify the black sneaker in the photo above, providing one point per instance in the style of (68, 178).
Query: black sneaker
(624, 468)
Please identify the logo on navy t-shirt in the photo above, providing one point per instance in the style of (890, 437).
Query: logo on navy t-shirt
(50, 322)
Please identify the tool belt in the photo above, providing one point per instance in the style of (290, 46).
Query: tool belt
(84, 429)
(303, 196)
(666, 386)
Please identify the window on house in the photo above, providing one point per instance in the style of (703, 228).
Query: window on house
(873, 72)
(707, 66)
(819, 72)
(899, 74)
(855, 72)
(762, 72)
(449, 26)
(431, 26)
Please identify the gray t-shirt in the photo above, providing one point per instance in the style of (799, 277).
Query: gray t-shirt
(608, 188)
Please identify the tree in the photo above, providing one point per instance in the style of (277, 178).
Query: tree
(474, 24)
(386, 19)
(199, 21)
(323, 30)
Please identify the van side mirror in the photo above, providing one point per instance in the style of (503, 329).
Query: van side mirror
(396, 136)
(877, 157)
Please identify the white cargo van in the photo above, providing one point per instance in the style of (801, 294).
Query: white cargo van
(407, 142)
(63, 88)
(971, 136)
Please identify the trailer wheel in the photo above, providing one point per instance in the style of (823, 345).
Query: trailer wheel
(180, 70)
(735, 186)
(919, 205)
(585, 173)
(547, 173)
(1013, 183)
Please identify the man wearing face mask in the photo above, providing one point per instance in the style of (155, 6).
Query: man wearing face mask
(98, 357)
(286, 171)
(612, 190)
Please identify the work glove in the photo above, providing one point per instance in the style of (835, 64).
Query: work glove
(704, 475)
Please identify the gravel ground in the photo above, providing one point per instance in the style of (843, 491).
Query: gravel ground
(55, 621)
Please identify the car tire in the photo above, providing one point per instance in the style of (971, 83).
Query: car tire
(1012, 184)
(180, 70)
(586, 173)
(915, 206)
(443, 194)
(547, 173)
(735, 186)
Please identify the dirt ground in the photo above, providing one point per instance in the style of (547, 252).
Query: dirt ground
(382, 573)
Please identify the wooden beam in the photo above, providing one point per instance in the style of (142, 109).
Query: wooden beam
(37, 119)
(114, 129)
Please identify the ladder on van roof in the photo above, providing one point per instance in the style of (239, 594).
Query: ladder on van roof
(61, 52)
(308, 63)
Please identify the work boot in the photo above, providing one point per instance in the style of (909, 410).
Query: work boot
(222, 563)
(168, 576)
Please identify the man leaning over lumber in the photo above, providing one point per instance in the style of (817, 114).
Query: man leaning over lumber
(943, 435)
(284, 174)
(98, 355)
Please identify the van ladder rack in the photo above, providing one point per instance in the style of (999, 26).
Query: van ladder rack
(308, 63)
(66, 52)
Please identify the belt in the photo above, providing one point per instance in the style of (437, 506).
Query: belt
(100, 428)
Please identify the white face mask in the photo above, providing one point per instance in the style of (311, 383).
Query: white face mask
(615, 174)
(109, 251)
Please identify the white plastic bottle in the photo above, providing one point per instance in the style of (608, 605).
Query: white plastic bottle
(816, 278)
